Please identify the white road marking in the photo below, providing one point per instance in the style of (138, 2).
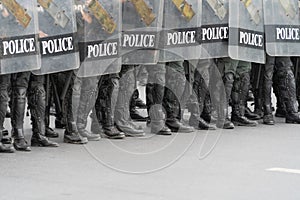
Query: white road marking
(284, 170)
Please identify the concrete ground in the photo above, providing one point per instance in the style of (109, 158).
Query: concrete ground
(243, 164)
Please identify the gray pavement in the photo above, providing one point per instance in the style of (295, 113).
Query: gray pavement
(227, 165)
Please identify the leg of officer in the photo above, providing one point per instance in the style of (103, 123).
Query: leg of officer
(49, 94)
(239, 94)
(287, 88)
(103, 114)
(71, 104)
(200, 88)
(19, 83)
(89, 93)
(154, 98)
(227, 68)
(174, 100)
(37, 106)
(267, 90)
(122, 113)
(4, 98)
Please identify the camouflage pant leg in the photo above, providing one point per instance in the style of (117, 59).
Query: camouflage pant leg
(19, 83)
(37, 103)
(71, 102)
(127, 86)
(108, 90)
(88, 95)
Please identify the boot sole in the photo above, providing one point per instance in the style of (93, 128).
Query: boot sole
(25, 150)
(291, 122)
(174, 130)
(94, 139)
(40, 145)
(73, 142)
(164, 133)
(246, 125)
(51, 136)
(272, 123)
(117, 137)
(135, 135)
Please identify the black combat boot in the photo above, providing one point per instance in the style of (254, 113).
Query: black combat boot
(251, 115)
(268, 118)
(223, 119)
(38, 138)
(238, 119)
(135, 102)
(292, 116)
(72, 135)
(196, 121)
(19, 141)
(109, 129)
(50, 133)
(136, 116)
(258, 106)
(207, 111)
(173, 111)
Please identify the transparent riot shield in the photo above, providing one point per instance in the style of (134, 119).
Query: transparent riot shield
(179, 37)
(57, 28)
(246, 31)
(214, 28)
(18, 36)
(282, 29)
(141, 21)
(99, 29)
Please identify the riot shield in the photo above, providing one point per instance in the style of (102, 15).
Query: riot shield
(181, 22)
(246, 31)
(282, 22)
(141, 23)
(18, 36)
(99, 29)
(214, 29)
(57, 28)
